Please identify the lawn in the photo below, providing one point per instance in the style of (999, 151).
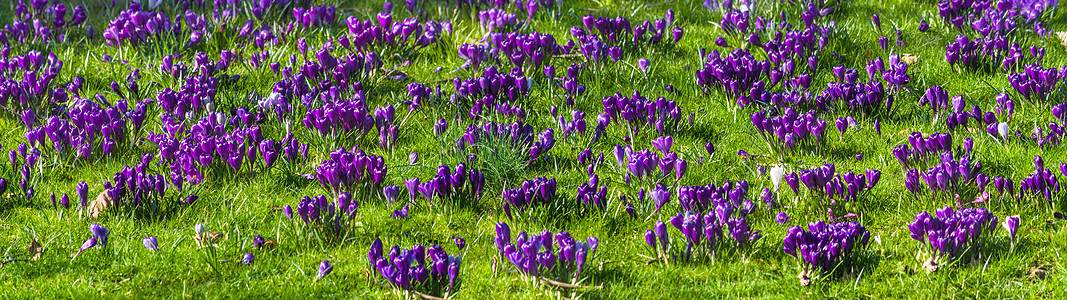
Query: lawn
(306, 139)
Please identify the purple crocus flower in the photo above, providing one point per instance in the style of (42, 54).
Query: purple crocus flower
(782, 218)
(100, 233)
(258, 241)
(324, 269)
(642, 64)
(248, 258)
(1011, 224)
(83, 193)
(151, 243)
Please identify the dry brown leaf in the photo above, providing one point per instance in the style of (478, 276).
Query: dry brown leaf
(100, 204)
(35, 250)
(1063, 37)
(209, 237)
(270, 244)
(1037, 273)
(909, 59)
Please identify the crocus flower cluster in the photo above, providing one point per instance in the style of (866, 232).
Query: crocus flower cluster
(353, 119)
(735, 74)
(824, 248)
(537, 192)
(589, 195)
(863, 97)
(952, 234)
(513, 86)
(25, 160)
(638, 113)
(100, 235)
(926, 150)
(89, 128)
(535, 254)
(499, 20)
(577, 127)
(704, 198)
(790, 132)
(532, 50)
(644, 164)
(824, 182)
(1042, 183)
(430, 271)
(947, 173)
(1036, 84)
(41, 22)
(136, 189)
(135, 26)
(401, 37)
(315, 16)
(726, 229)
(325, 216)
(192, 150)
(462, 186)
(352, 171)
(27, 81)
(1044, 137)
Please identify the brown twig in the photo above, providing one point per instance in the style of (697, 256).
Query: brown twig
(4, 263)
(568, 285)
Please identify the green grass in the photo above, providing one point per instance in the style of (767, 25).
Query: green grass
(243, 206)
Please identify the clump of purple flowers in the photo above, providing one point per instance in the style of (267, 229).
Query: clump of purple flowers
(537, 192)
(136, 189)
(724, 228)
(29, 81)
(952, 234)
(430, 271)
(41, 22)
(352, 171)
(637, 113)
(536, 256)
(825, 248)
(329, 218)
(453, 188)
(1036, 84)
(790, 132)
(948, 172)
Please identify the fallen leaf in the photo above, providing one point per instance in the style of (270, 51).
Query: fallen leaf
(209, 237)
(1037, 273)
(909, 58)
(102, 202)
(1063, 37)
(270, 244)
(35, 250)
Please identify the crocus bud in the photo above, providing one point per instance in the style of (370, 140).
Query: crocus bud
(248, 259)
(100, 233)
(777, 172)
(324, 269)
(258, 241)
(1011, 224)
(440, 127)
(151, 243)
